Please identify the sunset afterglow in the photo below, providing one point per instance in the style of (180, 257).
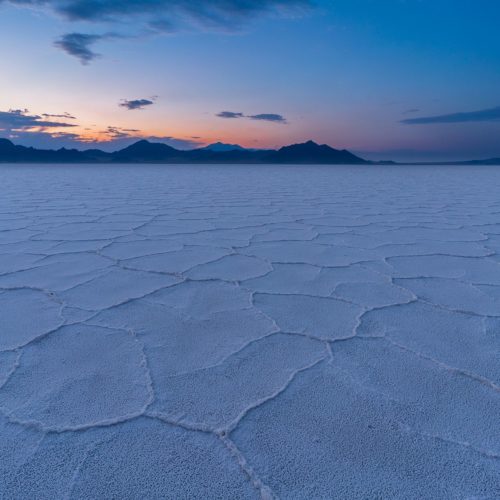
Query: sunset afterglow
(348, 73)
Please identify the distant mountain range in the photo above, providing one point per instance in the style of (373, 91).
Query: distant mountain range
(154, 152)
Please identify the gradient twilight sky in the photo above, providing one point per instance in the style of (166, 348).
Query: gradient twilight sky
(389, 79)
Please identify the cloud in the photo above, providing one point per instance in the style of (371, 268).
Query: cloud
(110, 139)
(159, 16)
(267, 117)
(46, 140)
(112, 133)
(20, 119)
(40, 131)
(136, 103)
(114, 138)
(170, 15)
(79, 45)
(63, 115)
(483, 115)
(229, 114)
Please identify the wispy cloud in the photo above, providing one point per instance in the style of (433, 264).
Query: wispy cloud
(268, 117)
(46, 140)
(21, 119)
(136, 103)
(113, 138)
(171, 14)
(41, 131)
(229, 114)
(79, 45)
(483, 115)
(159, 16)
(44, 130)
(62, 115)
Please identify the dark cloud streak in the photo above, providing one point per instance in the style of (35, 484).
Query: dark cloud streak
(483, 115)
(158, 16)
(136, 103)
(79, 45)
(230, 114)
(20, 119)
(63, 115)
(267, 117)
(169, 15)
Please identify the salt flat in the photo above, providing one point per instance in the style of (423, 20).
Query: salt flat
(245, 332)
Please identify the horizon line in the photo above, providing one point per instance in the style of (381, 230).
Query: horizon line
(489, 160)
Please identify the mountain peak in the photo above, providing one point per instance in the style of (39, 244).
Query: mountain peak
(308, 145)
(311, 152)
(145, 151)
(144, 145)
(6, 144)
(221, 147)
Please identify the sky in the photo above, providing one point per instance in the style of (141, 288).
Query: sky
(407, 80)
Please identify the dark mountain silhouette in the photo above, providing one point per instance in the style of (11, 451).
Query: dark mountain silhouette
(16, 154)
(97, 156)
(203, 155)
(6, 145)
(221, 147)
(145, 151)
(153, 152)
(150, 152)
(310, 152)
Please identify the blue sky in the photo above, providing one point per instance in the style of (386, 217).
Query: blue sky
(398, 79)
